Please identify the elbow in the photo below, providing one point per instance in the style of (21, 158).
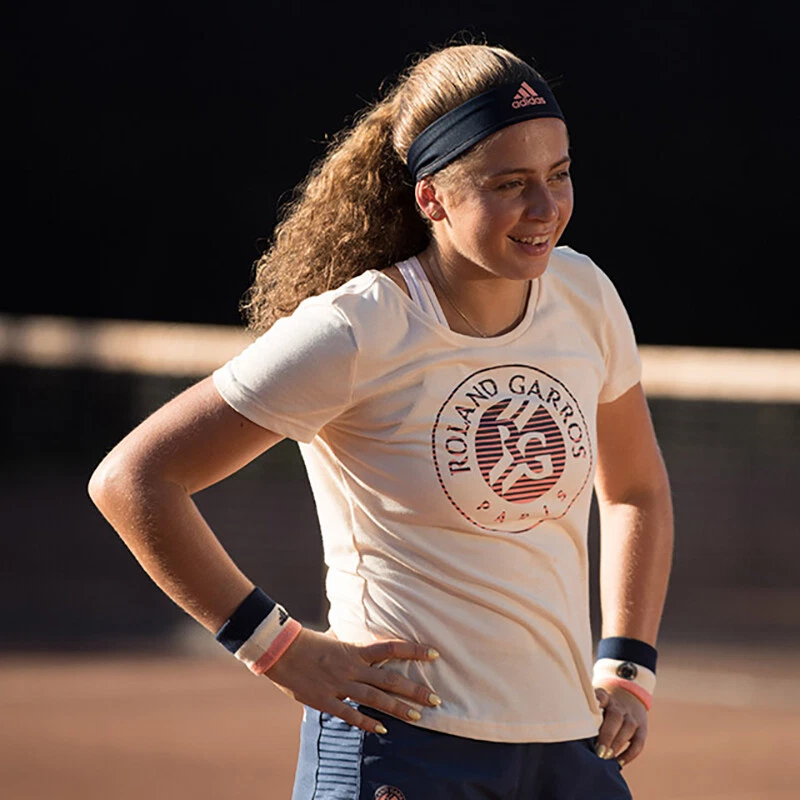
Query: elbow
(127, 480)
(114, 481)
(646, 487)
(656, 492)
(653, 495)
(104, 480)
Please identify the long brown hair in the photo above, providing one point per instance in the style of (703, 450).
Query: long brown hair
(356, 208)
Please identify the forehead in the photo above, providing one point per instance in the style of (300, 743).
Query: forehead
(534, 144)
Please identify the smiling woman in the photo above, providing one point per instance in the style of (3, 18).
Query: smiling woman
(497, 222)
(457, 380)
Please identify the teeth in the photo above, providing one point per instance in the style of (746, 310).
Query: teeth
(531, 239)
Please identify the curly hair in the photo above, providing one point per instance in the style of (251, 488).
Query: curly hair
(356, 208)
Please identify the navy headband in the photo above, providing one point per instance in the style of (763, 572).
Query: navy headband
(456, 131)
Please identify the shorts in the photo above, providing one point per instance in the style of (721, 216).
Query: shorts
(340, 762)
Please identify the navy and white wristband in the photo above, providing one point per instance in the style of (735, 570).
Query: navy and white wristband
(629, 664)
(258, 632)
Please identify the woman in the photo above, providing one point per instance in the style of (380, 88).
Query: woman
(457, 383)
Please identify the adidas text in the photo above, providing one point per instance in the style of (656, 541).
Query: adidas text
(528, 101)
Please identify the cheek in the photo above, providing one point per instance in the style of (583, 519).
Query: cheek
(565, 204)
(477, 222)
(498, 218)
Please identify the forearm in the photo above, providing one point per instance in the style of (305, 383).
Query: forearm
(162, 527)
(635, 561)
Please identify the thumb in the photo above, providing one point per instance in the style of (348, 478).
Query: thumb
(602, 697)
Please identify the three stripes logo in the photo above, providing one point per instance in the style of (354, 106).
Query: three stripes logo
(527, 96)
(511, 448)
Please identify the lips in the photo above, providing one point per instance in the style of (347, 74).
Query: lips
(533, 246)
(541, 238)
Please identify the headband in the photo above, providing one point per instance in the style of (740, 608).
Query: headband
(456, 131)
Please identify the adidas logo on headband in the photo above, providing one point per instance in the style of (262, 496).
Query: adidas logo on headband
(446, 138)
(526, 96)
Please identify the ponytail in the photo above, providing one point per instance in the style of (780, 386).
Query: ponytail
(354, 211)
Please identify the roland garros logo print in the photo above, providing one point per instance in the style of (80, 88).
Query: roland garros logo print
(511, 448)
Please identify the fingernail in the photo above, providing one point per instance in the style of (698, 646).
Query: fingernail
(621, 762)
(601, 750)
(434, 699)
(380, 729)
(433, 653)
(413, 714)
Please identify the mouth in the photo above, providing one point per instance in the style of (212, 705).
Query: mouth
(533, 245)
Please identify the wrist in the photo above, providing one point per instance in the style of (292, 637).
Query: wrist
(258, 632)
(627, 664)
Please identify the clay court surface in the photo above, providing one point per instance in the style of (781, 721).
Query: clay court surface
(199, 726)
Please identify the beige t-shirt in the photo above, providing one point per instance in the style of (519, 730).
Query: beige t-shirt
(453, 478)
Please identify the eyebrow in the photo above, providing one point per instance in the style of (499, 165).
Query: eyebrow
(561, 162)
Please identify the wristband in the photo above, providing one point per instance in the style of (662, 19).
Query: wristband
(628, 686)
(625, 671)
(258, 632)
(629, 664)
(624, 649)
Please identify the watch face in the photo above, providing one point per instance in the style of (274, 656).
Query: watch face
(628, 671)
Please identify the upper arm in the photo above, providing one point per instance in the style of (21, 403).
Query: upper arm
(629, 460)
(194, 440)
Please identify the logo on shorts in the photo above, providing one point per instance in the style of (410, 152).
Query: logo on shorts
(511, 448)
(527, 96)
(389, 793)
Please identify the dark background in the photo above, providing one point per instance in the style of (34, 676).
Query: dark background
(151, 144)
(149, 148)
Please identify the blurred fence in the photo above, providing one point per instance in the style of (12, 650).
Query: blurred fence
(728, 423)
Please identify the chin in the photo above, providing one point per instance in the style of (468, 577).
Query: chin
(531, 268)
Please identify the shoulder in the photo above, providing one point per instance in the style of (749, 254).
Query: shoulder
(571, 266)
(395, 275)
(335, 311)
(577, 274)
(370, 301)
(367, 289)
(325, 325)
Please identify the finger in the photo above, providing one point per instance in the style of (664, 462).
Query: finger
(624, 735)
(376, 698)
(395, 683)
(602, 696)
(634, 748)
(352, 716)
(395, 648)
(612, 722)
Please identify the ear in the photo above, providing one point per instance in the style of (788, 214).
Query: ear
(428, 200)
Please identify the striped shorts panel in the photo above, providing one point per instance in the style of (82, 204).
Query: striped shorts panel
(335, 748)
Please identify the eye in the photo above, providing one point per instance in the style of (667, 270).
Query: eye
(514, 183)
(561, 176)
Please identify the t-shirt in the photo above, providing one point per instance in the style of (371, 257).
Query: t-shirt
(453, 478)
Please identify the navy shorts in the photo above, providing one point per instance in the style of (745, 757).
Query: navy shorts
(340, 762)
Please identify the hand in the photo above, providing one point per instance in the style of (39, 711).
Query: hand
(624, 727)
(321, 671)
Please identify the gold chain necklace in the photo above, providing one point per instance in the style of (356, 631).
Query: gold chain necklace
(442, 284)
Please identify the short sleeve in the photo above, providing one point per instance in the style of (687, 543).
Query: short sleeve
(298, 376)
(621, 355)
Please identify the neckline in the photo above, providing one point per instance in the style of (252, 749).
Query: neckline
(462, 338)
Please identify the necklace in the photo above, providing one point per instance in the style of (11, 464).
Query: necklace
(438, 275)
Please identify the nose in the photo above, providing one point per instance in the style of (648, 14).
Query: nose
(540, 203)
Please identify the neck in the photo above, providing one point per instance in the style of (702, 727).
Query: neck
(475, 301)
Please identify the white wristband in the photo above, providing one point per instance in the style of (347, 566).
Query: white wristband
(268, 641)
(605, 668)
